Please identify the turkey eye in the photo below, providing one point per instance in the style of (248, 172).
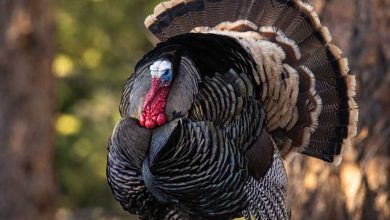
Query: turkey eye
(166, 72)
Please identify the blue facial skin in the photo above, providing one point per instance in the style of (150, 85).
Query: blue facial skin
(166, 78)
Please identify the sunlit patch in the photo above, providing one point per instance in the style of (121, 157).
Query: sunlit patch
(63, 213)
(62, 66)
(99, 163)
(82, 148)
(377, 173)
(67, 124)
(65, 21)
(100, 39)
(310, 181)
(382, 204)
(351, 179)
(92, 58)
(363, 134)
(19, 25)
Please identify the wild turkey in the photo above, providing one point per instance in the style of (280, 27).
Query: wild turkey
(208, 115)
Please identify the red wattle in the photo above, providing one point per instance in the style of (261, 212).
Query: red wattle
(152, 92)
(154, 105)
(142, 120)
(150, 124)
(161, 119)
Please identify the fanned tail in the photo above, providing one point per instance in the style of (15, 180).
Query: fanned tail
(325, 113)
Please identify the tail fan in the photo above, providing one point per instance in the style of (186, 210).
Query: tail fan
(310, 103)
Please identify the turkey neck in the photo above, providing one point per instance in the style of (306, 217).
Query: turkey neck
(154, 105)
(157, 103)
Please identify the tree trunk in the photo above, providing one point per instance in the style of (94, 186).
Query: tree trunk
(359, 188)
(27, 186)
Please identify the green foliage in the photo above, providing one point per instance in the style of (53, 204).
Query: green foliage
(99, 42)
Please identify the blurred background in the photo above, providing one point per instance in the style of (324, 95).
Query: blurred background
(62, 67)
